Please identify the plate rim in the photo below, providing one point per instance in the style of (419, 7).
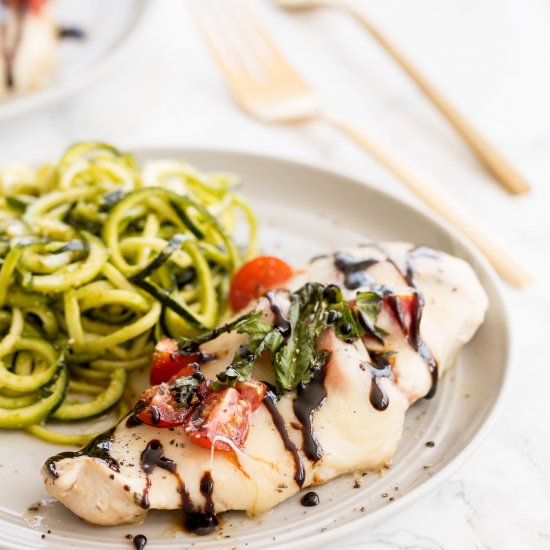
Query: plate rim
(158, 150)
(53, 93)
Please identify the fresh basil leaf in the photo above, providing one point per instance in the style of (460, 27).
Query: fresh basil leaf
(348, 327)
(369, 305)
(192, 344)
(255, 327)
(298, 359)
(295, 358)
(284, 359)
(274, 340)
(264, 338)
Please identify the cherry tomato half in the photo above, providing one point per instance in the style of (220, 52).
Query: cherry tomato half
(253, 392)
(167, 361)
(256, 278)
(222, 413)
(157, 407)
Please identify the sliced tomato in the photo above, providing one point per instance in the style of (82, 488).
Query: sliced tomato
(256, 278)
(168, 361)
(224, 413)
(404, 308)
(157, 407)
(253, 392)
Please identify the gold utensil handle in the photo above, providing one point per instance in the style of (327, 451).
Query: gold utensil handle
(490, 157)
(506, 266)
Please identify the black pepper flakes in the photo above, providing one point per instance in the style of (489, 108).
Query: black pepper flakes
(356, 485)
(430, 443)
(384, 495)
(112, 476)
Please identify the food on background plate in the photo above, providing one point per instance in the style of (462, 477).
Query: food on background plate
(99, 259)
(309, 382)
(29, 39)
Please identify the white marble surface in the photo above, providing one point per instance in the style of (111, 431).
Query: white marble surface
(492, 57)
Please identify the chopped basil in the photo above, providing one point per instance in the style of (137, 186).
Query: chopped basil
(295, 358)
(184, 388)
(247, 321)
(296, 361)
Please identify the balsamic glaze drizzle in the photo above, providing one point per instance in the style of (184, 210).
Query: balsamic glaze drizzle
(99, 448)
(279, 423)
(354, 271)
(197, 522)
(139, 542)
(310, 499)
(207, 489)
(133, 421)
(280, 322)
(310, 397)
(201, 524)
(414, 337)
(152, 457)
(380, 368)
(355, 276)
(417, 343)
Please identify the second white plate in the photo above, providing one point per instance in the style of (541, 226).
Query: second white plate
(108, 26)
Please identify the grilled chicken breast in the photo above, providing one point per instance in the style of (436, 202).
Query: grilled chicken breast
(348, 418)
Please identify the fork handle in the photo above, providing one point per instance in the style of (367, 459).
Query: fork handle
(508, 268)
(490, 157)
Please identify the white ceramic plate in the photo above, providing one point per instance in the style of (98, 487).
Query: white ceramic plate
(109, 27)
(303, 211)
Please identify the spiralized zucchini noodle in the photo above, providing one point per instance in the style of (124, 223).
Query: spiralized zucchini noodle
(100, 258)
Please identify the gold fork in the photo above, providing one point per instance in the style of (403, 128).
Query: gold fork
(505, 173)
(265, 86)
